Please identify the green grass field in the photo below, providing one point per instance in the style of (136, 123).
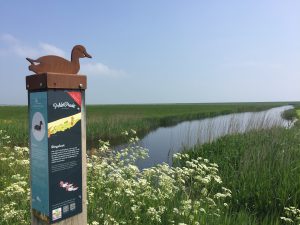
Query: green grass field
(106, 122)
(261, 169)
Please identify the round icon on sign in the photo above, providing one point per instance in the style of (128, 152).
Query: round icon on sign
(38, 126)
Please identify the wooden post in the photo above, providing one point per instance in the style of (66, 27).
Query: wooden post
(57, 128)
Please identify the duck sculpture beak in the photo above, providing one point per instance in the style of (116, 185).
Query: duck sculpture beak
(87, 55)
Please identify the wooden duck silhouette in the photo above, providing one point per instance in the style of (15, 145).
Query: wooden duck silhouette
(56, 64)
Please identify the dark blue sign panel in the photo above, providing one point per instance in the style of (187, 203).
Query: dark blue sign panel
(56, 154)
(64, 141)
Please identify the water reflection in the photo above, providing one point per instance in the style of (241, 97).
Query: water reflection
(164, 142)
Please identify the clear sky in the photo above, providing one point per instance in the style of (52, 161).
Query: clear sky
(155, 51)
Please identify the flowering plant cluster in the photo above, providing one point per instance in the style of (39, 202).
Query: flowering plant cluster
(120, 193)
(14, 186)
(292, 215)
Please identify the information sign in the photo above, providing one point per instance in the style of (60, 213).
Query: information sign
(56, 154)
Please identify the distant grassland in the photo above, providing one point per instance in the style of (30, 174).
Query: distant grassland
(108, 121)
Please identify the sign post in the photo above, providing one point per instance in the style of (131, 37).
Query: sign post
(57, 128)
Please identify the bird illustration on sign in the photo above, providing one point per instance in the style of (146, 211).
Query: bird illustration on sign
(57, 64)
(38, 127)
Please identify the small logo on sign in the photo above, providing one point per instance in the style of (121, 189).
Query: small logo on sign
(56, 214)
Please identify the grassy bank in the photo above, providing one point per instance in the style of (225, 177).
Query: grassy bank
(108, 121)
(262, 183)
(257, 174)
(262, 168)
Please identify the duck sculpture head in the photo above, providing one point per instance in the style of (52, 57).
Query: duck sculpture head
(57, 64)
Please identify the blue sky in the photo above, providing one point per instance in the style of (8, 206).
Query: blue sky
(159, 51)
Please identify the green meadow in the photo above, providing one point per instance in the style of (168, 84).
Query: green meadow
(108, 121)
(241, 179)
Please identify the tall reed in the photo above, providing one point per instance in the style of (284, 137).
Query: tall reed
(262, 167)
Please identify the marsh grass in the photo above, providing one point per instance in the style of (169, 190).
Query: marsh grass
(108, 121)
(209, 129)
(290, 114)
(262, 168)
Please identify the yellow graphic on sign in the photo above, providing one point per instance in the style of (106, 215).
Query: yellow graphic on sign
(63, 124)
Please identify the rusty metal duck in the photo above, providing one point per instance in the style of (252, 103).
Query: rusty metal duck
(56, 64)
